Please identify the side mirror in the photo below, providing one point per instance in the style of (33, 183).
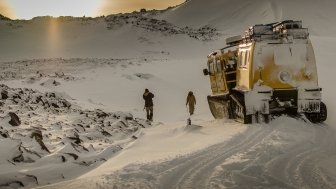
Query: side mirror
(205, 72)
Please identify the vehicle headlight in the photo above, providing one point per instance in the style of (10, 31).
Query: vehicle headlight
(285, 76)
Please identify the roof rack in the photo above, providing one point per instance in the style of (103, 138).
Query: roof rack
(276, 30)
(235, 40)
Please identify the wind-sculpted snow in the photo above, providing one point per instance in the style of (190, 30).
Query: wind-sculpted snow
(288, 153)
(45, 138)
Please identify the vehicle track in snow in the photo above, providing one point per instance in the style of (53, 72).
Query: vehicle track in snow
(285, 154)
(293, 164)
(190, 171)
(302, 169)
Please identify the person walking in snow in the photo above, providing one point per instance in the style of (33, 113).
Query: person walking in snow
(148, 97)
(191, 102)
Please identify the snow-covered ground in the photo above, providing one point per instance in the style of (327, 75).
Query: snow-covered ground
(285, 154)
(76, 85)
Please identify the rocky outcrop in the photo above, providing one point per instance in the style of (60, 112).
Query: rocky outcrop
(15, 120)
(141, 20)
(42, 128)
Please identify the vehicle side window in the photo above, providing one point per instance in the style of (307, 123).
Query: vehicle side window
(247, 58)
(212, 68)
(219, 66)
(240, 59)
(244, 58)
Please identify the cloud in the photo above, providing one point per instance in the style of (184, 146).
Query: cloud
(122, 6)
(6, 10)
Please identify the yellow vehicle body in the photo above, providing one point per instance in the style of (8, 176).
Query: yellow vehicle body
(271, 70)
(264, 63)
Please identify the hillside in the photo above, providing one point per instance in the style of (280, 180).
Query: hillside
(2, 17)
(233, 16)
(117, 36)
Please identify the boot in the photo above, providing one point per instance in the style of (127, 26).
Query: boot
(151, 117)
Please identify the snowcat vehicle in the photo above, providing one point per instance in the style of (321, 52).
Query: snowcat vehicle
(269, 71)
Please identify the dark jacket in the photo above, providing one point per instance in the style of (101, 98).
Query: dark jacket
(191, 100)
(148, 97)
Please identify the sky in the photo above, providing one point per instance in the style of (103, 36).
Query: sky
(27, 9)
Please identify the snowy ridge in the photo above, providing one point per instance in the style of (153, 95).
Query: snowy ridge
(204, 33)
(4, 18)
(233, 16)
(144, 20)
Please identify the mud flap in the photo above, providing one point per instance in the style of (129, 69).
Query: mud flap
(318, 117)
(239, 111)
(261, 118)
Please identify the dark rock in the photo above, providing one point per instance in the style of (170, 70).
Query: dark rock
(105, 133)
(56, 83)
(101, 114)
(43, 146)
(75, 156)
(15, 120)
(129, 117)
(39, 99)
(76, 140)
(63, 159)
(4, 134)
(18, 158)
(54, 105)
(16, 96)
(82, 127)
(37, 135)
(4, 94)
(66, 104)
(76, 135)
(52, 95)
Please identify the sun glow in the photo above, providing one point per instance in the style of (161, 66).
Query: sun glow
(53, 36)
(6, 10)
(27, 9)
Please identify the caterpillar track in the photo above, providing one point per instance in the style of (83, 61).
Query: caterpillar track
(262, 74)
